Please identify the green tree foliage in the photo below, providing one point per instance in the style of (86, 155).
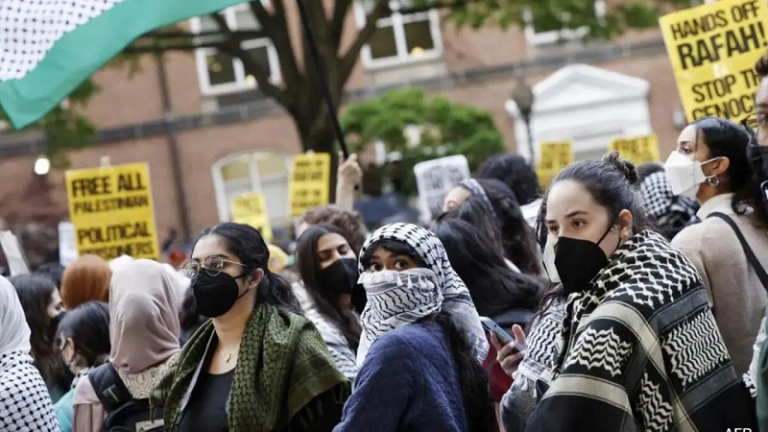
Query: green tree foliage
(563, 14)
(299, 92)
(444, 128)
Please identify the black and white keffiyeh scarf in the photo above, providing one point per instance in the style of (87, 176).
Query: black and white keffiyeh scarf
(671, 212)
(641, 350)
(477, 190)
(25, 404)
(398, 300)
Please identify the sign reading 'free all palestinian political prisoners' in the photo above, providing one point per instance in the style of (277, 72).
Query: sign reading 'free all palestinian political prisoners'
(713, 49)
(111, 209)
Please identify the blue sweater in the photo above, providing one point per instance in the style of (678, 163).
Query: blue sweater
(408, 383)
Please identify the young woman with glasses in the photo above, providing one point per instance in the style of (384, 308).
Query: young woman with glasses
(257, 364)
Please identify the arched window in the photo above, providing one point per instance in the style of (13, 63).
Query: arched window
(266, 172)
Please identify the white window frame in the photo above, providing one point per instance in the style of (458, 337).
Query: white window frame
(219, 184)
(554, 36)
(241, 83)
(397, 21)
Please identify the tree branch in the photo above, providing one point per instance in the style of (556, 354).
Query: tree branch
(349, 59)
(281, 39)
(262, 15)
(234, 49)
(337, 22)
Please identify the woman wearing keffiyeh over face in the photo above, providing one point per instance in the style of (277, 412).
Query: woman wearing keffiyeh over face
(422, 341)
(640, 349)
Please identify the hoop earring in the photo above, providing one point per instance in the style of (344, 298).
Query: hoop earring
(714, 181)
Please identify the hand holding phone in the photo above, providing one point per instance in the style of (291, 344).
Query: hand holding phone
(491, 327)
(509, 350)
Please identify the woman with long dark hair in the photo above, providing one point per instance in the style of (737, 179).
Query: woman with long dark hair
(83, 342)
(44, 310)
(729, 247)
(257, 365)
(507, 297)
(495, 288)
(421, 343)
(328, 269)
(495, 198)
(641, 349)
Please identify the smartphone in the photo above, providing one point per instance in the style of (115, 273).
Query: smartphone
(491, 327)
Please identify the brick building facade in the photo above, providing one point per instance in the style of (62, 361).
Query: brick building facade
(230, 139)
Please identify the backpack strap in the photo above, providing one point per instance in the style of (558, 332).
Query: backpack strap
(751, 257)
(109, 388)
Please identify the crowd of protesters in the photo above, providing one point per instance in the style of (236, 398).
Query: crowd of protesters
(619, 298)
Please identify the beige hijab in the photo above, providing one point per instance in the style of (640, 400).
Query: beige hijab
(144, 318)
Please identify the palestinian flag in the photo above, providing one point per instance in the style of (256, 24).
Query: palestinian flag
(49, 47)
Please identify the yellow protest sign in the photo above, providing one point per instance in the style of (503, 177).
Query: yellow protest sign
(310, 180)
(111, 209)
(554, 157)
(637, 149)
(251, 209)
(713, 49)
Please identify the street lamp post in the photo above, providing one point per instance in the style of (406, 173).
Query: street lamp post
(524, 98)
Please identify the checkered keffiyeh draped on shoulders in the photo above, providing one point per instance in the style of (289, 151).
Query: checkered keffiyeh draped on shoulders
(671, 212)
(457, 300)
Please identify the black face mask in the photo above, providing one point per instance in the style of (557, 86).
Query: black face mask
(758, 160)
(578, 262)
(53, 325)
(215, 296)
(341, 276)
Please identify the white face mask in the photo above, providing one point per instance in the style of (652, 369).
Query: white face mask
(684, 174)
(549, 260)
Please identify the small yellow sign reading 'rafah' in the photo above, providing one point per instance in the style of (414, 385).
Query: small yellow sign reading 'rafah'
(310, 180)
(638, 149)
(554, 157)
(251, 209)
(111, 209)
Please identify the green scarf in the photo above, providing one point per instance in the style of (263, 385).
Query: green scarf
(282, 365)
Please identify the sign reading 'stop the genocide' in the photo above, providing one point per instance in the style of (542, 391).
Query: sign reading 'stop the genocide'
(111, 209)
(713, 49)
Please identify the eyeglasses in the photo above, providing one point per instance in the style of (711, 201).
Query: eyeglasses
(212, 266)
(756, 125)
(750, 123)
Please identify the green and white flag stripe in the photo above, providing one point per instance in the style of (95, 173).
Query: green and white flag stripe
(49, 47)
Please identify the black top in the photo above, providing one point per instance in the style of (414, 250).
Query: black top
(207, 409)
